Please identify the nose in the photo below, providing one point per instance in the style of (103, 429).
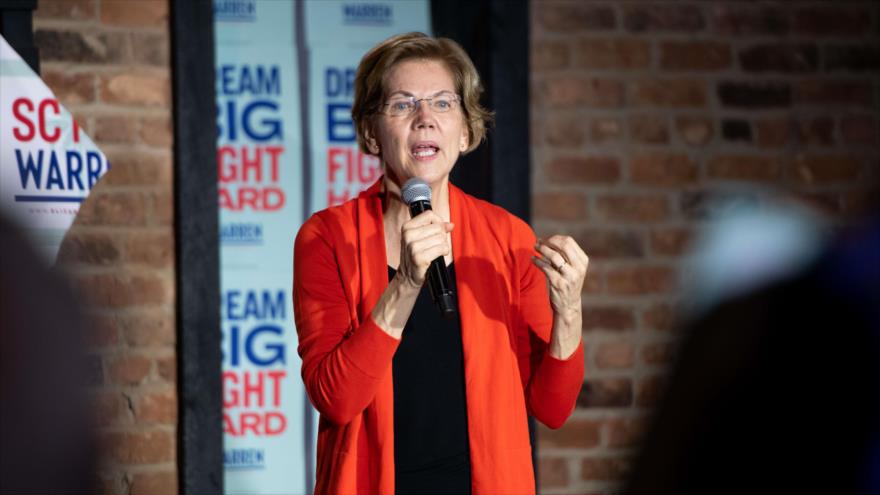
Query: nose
(424, 117)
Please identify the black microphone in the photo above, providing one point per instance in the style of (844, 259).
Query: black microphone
(417, 195)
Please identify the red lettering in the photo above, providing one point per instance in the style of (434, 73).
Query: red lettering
(48, 137)
(255, 198)
(253, 389)
(276, 377)
(371, 164)
(230, 390)
(250, 421)
(274, 152)
(28, 124)
(225, 172)
(280, 422)
(268, 423)
(75, 132)
(251, 164)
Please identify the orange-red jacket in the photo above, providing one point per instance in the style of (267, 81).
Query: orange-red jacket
(340, 270)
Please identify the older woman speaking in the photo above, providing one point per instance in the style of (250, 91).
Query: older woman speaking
(410, 401)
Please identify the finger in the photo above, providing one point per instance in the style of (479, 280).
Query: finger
(553, 276)
(426, 255)
(414, 234)
(570, 250)
(550, 254)
(429, 243)
(423, 218)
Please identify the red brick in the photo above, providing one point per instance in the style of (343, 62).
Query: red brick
(167, 366)
(138, 88)
(136, 168)
(608, 318)
(649, 129)
(587, 170)
(740, 19)
(825, 169)
(70, 89)
(157, 407)
(154, 249)
(81, 46)
(824, 92)
(614, 355)
(150, 48)
(91, 248)
(565, 91)
(153, 483)
(65, 9)
(745, 167)
(112, 209)
(832, 20)
(104, 290)
(603, 243)
(553, 471)
(560, 206)
(694, 55)
(575, 17)
(650, 390)
(143, 13)
(129, 370)
(156, 131)
(110, 408)
(658, 353)
(612, 54)
(624, 432)
(604, 468)
(774, 132)
(663, 169)
(817, 131)
(603, 130)
(153, 328)
(670, 92)
(115, 129)
(162, 208)
(639, 280)
(632, 208)
(695, 131)
(859, 130)
(138, 448)
(671, 241)
(661, 317)
(575, 433)
(550, 55)
(780, 57)
(683, 18)
(103, 331)
(606, 392)
(564, 130)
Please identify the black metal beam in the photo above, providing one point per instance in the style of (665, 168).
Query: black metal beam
(200, 435)
(17, 28)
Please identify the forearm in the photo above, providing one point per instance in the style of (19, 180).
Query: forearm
(566, 334)
(395, 306)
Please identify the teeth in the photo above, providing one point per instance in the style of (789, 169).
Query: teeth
(427, 152)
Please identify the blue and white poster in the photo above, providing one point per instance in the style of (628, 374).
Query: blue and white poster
(263, 165)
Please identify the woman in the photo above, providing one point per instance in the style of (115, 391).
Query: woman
(411, 402)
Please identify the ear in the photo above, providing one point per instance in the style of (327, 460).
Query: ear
(372, 143)
(464, 141)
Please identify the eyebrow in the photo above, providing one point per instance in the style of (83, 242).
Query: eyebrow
(407, 93)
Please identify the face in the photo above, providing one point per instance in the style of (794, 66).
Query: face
(426, 143)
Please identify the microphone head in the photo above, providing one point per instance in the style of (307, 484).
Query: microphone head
(414, 190)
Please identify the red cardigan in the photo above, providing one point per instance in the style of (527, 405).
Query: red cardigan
(340, 270)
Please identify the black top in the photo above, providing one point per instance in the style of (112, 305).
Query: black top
(430, 413)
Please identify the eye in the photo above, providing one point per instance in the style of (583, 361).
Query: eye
(442, 103)
(400, 106)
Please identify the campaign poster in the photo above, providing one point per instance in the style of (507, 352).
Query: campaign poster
(48, 164)
(260, 187)
(339, 170)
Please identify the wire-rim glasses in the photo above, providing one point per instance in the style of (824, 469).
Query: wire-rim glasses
(407, 105)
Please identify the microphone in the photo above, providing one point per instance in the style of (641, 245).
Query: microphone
(417, 195)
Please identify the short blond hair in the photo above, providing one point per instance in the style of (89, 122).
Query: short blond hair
(376, 65)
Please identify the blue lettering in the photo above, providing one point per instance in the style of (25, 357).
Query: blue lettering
(273, 125)
(29, 169)
(260, 305)
(54, 176)
(258, 80)
(94, 172)
(339, 82)
(276, 350)
(74, 168)
(340, 127)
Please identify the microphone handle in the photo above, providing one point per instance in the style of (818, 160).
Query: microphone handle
(438, 275)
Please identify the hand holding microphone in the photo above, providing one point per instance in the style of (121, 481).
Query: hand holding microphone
(424, 244)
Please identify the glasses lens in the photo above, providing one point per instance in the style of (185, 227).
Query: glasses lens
(443, 103)
(401, 106)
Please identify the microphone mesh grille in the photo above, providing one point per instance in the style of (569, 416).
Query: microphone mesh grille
(415, 189)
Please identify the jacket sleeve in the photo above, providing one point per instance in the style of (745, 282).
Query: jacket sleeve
(551, 385)
(342, 366)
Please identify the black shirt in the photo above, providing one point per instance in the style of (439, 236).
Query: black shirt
(430, 413)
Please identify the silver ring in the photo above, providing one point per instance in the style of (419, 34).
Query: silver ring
(560, 267)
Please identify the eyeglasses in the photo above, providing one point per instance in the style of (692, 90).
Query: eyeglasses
(407, 105)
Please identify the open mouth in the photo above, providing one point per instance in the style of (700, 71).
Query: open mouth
(424, 150)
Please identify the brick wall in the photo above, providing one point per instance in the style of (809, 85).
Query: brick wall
(108, 63)
(643, 111)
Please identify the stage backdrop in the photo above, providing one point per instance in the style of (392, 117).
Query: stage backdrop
(286, 148)
(47, 163)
